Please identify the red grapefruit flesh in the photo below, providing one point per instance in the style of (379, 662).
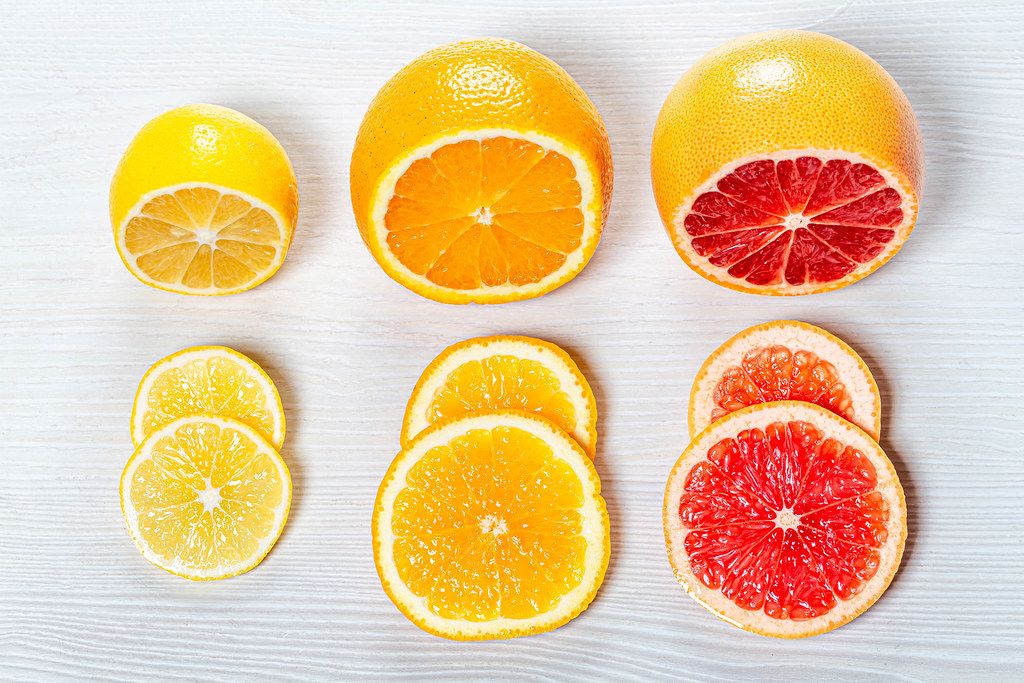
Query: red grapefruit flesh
(795, 222)
(784, 519)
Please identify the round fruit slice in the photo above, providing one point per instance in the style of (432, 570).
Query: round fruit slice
(784, 519)
(780, 360)
(204, 201)
(208, 380)
(491, 526)
(492, 373)
(481, 173)
(205, 497)
(787, 162)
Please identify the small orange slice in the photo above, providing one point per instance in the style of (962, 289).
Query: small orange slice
(493, 373)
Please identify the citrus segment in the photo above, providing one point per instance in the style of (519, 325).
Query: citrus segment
(481, 173)
(491, 526)
(784, 519)
(205, 497)
(785, 360)
(204, 202)
(787, 162)
(208, 380)
(493, 373)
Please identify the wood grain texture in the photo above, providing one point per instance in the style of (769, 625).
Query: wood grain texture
(941, 326)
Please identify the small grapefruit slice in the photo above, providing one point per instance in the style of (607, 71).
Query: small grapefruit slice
(784, 519)
(785, 360)
(504, 372)
(794, 222)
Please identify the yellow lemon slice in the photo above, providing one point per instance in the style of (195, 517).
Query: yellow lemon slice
(208, 380)
(491, 526)
(204, 201)
(205, 497)
(492, 373)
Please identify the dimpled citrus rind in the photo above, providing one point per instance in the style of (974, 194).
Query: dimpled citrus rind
(830, 425)
(468, 90)
(204, 146)
(775, 92)
(268, 418)
(795, 336)
(595, 529)
(543, 357)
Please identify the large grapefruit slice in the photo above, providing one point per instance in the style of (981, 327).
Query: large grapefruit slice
(787, 162)
(785, 360)
(784, 519)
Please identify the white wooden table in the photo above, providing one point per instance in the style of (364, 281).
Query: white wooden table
(941, 326)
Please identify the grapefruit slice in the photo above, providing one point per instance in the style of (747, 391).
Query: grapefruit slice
(794, 222)
(785, 360)
(784, 519)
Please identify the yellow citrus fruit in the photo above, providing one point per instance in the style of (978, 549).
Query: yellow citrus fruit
(784, 519)
(481, 173)
(208, 380)
(204, 201)
(504, 372)
(787, 162)
(785, 360)
(491, 526)
(205, 497)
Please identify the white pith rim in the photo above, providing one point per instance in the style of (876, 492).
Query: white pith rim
(594, 529)
(130, 259)
(681, 239)
(437, 373)
(144, 453)
(830, 425)
(182, 358)
(590, 205)
(796, 336)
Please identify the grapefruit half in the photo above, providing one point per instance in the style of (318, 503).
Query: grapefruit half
(785, 360)
(787, 162)
(784, 519)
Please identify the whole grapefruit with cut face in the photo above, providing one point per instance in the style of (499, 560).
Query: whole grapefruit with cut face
(787, 162)
(784, 519)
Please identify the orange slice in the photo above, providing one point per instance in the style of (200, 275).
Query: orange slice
(784, 519)
(491, 526)
(492, 373)
(481, 173)
(785, 360)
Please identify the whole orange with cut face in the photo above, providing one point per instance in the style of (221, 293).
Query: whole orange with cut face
(787, 162)
(481, 173)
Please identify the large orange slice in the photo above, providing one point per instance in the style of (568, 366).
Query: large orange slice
(504, 372)
(787, 162)
(491, 526)
(785, 360)
(784, 519)
(481, 173)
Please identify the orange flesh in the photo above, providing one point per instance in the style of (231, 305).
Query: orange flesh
(488, 526)
(784, 520)
(200, 238)
(500, 211)
(776, 373)
(503, 382)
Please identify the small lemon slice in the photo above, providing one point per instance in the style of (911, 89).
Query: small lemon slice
(205, 497)
(208, 380)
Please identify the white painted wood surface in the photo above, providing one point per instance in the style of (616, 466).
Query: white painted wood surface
(941, 326)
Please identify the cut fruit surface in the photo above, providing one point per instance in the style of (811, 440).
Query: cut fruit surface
(794, 222)
(205, 497)
(504, 372)
(784, 519)
(208, 380)
(491, 526)
(481, 174)
(204, 202)
(785, 360)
